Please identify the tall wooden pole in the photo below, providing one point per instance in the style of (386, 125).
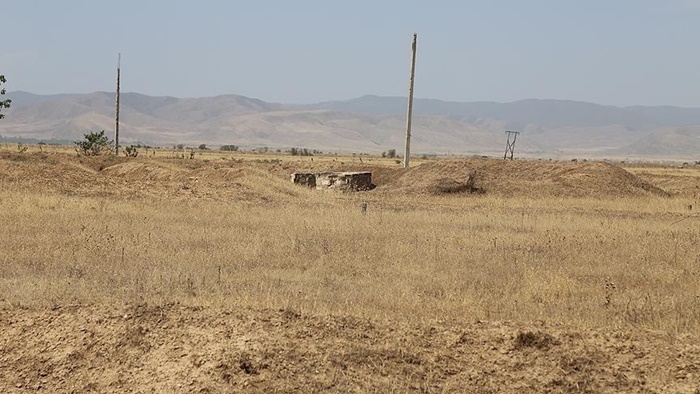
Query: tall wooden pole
(409, 116)
(116, 122)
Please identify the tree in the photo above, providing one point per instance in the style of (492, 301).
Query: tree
(93, 144)
(203, 147)
(230, 148)
(391, 153)
(3, 103)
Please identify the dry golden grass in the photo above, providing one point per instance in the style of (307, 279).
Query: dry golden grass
(590, 262)
(667, 171)
(215, 154)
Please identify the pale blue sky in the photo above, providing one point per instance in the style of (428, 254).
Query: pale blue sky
(620, 52)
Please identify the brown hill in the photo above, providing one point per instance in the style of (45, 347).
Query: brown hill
(550, 128)
(668, 142)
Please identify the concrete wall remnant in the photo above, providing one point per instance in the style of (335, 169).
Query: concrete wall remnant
(304, 179)
(346, 181)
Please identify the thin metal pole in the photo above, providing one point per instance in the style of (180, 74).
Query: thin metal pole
(409, 116)
(116, 122)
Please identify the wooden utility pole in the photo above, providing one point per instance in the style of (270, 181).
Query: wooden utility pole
(409, 116)
(116, 122)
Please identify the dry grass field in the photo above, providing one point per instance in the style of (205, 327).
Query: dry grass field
(219, 275)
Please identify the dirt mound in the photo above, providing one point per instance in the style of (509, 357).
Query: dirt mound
(178, 171)
(208, 350)
(223, 180)
(227, 179)
(523, 178)
(45, 171)
(451, 186)
(381, 174)
(679, 181)
(144, 171)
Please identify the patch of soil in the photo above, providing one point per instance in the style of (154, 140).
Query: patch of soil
(451, 186)
(172, 348)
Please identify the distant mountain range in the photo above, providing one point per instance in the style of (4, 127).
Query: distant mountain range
(550, 128)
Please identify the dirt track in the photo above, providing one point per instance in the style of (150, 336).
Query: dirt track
(144, 349)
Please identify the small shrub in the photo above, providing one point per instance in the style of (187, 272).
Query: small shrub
(93, 144)
(131, 151)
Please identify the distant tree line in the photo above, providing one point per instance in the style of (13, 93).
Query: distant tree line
(300, 152)
(391, 153)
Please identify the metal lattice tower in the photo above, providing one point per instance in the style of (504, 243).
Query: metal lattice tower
(510, 145)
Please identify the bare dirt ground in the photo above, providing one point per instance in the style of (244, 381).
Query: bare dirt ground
(172, 348)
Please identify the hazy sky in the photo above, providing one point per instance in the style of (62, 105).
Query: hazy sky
(620, 52)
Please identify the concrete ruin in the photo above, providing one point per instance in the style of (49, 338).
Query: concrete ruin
(346, 181)
(304, 179)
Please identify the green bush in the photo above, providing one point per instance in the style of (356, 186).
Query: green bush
(93, 144)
